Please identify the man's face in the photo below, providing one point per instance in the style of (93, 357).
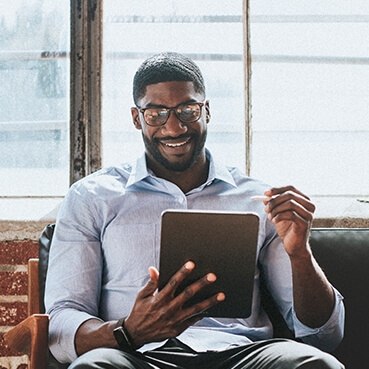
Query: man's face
(174, 146)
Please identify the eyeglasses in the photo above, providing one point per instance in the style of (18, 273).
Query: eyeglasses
(186, 113)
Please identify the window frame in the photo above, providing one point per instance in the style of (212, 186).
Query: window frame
(85, 89)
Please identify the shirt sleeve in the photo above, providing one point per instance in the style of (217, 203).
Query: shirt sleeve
(327, 337)
(278, 275)
(73, 282)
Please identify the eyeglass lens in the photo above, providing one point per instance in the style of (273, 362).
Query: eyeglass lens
(186, 113)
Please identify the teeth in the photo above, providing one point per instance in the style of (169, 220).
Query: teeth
(177, 144)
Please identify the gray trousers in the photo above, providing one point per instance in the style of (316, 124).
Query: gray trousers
(270, 354)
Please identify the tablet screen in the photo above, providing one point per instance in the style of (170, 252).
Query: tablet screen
(221, 242)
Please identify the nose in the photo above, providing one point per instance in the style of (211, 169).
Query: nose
(174, 127)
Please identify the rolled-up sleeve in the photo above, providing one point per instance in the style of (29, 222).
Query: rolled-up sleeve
(73, 283)
(329, 336)
(278, 274)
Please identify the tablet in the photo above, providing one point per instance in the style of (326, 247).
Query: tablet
(221, 242)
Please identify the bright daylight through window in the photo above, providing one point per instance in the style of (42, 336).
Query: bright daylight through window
(310, 94)
(34, 97)
(211, 32)
(309, 90)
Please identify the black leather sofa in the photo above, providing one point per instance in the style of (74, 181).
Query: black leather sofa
(343, 254)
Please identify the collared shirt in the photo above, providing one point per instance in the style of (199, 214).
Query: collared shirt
(107, 236)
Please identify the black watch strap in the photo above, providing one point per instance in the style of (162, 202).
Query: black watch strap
(122, 336)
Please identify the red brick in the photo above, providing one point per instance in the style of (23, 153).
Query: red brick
(13, 283)
(17, 252)
(12, 313)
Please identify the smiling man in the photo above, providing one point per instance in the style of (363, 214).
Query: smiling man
(102, 284)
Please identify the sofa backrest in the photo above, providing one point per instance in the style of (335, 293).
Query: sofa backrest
(343, 254)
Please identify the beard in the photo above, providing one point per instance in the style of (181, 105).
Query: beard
(152, 147)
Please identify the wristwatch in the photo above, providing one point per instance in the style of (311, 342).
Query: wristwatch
(122, 336)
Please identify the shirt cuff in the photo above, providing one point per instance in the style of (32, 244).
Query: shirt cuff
(63, 328)
(329, 335)
(302, 330)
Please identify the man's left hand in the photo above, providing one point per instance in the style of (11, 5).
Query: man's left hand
(292, 213)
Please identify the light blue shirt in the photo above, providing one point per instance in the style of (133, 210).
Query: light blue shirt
(107, 236)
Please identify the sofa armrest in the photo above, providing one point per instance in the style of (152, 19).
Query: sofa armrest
(30, 337)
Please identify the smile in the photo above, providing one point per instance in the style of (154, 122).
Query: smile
(177, 144)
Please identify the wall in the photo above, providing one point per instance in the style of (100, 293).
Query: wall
(18, 243)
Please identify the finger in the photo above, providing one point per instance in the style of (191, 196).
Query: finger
(280, 190)
(195, 311)
(154, 274)
(290, 198)
(193, 289)
(177, 278)
(291, 207)
(291, 216)
(151, 285)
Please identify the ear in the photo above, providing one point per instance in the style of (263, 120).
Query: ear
(207, 111)
(136, 118)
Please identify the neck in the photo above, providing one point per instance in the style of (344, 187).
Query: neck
(187, 180)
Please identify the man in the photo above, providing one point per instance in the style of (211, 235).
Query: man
(101, 290)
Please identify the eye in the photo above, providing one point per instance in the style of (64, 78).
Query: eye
(156, 114)
(187, 110)
(162, 113)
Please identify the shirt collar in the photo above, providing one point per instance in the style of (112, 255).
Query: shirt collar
(216, 171)
(139, 171)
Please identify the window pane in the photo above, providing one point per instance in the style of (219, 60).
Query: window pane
(34, 97)
(211, 32)
(310, 95)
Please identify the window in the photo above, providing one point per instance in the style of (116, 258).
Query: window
(34, 98)
(309, 98)
(211, 32)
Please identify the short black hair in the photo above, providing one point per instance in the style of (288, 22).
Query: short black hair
(166, 67)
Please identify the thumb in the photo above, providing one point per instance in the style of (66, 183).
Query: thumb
(154, 275)
(151, 285)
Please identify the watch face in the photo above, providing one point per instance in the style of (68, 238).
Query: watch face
(122, 339)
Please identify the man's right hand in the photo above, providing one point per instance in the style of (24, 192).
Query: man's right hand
(158, 316)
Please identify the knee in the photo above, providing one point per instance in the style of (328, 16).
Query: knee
(294, 355)
(308, 357)
(321, 360)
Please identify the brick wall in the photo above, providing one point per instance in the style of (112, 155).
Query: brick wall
(13, 294)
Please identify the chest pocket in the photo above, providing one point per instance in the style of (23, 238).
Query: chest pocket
(129, 250)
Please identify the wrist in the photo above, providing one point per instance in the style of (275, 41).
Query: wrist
(300, 252)
(122, 336)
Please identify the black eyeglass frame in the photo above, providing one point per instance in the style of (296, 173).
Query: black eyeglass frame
(168, 110)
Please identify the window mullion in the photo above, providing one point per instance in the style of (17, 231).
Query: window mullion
(85, 90)
(247, 78)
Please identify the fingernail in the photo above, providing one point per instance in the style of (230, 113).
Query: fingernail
(211, 277)
(189, 265)
(221, 296)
